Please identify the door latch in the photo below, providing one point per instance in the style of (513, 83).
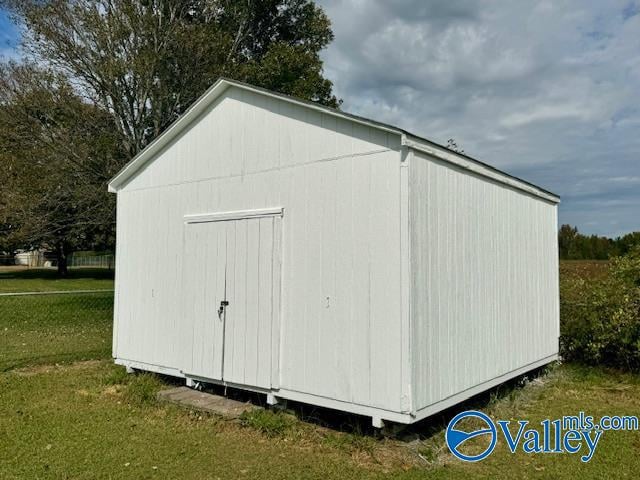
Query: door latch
(223, 304)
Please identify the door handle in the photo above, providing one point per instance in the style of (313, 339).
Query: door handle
(223, 304)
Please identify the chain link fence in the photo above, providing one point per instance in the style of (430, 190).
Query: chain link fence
(52, 326)
(92, 261)
(38, 259)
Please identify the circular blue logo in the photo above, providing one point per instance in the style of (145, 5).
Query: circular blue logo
(456, 438)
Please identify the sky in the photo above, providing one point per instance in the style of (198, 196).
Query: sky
(9, 37)
(546, 90)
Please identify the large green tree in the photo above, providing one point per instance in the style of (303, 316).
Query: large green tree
(56, 154)
(147, 61)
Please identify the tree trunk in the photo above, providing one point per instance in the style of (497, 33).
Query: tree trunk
(61, 257)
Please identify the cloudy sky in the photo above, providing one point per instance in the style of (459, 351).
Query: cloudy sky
(546, 90)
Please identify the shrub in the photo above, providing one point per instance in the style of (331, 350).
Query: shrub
(116, 376)
(600, 317)
(270, 423)
(141, 389)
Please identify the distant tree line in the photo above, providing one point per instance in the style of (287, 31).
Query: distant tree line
(574, 245)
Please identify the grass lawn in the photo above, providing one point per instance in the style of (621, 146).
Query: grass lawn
(88, 419)
(40, 329)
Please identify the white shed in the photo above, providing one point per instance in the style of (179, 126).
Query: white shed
(279, 246)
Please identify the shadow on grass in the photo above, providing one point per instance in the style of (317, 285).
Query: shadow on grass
(55, 359)
(52, 274)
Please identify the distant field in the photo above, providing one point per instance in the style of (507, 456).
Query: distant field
(583, 268)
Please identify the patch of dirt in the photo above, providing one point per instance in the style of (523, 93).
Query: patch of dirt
(386, 457)
(45, 369)
(113, 391)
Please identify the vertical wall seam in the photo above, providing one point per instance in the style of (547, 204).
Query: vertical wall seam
(406, 400)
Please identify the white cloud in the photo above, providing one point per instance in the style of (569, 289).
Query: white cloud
(625, 179)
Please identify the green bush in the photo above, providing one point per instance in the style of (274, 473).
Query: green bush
(142, 388)
(600, 317)
(269, 422)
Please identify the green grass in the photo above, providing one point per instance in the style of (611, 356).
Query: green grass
(565, 391)
(65, 423)
(89, 419)
(45, 279)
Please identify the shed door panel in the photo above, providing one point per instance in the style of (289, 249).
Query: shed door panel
(203, 283)
(252, 284)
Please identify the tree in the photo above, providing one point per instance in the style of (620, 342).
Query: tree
(57, 153)
(145, 62)
(573, 245)
(628, 242)
(453, 145)
(566, 238)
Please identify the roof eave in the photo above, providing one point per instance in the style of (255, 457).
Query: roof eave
(477, 167)
(168, 135)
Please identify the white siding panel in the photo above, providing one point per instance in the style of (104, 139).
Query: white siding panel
(360, 339)
(484, 298)
(343, 297)
(249, 315)
(203, 288)
(266, 295)
(384, 280)
(235, 350)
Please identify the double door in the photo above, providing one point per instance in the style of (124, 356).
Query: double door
(231, 285)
